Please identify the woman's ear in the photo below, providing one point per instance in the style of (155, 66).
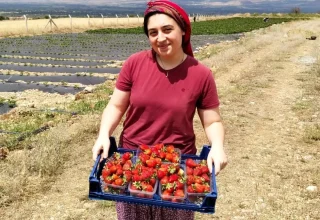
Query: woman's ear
(183, 33)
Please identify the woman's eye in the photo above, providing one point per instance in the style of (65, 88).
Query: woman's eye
(167, 30)
(153, 33)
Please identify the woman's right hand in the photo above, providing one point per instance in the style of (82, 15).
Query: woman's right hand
(102, 143)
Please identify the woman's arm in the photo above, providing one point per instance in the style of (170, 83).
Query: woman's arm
(211, 122)
(111, 117)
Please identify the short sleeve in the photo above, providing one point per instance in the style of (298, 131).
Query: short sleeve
(209, 95)
(124, 80)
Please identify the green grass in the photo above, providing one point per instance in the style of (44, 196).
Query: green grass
(312, 133)
(221, 26)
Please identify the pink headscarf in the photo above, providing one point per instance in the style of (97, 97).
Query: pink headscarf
(178, 14)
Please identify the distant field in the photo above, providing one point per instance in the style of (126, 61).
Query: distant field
(64, 25)
(218, 26)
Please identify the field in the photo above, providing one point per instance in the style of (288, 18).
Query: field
(268, 81)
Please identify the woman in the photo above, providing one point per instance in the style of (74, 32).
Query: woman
(161, 88)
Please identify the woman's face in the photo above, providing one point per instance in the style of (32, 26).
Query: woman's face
(165, 35)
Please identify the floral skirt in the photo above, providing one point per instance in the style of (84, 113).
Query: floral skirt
(127, 211)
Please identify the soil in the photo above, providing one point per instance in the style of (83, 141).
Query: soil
(270, 167)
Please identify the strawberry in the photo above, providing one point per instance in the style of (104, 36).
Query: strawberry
(151, 163)
(190, 189)
(127, 156)
(160, 174)
(152, 181)
(144, 147)
(164, 180)
(179, 193)
(158, 146)
(170, 148)
(178, 184)
(165, 195)
(190, 180)
(119, 172)
(206, 188)
(191, 163)
(189, 171)
(197, 171)
(169, 157)
(105, 173)
(127, 176)
(173, 177)
(118, 182)
(205, 177)
(113, 169)
(169, 187)
(148, 188)
(204, 168)
(136, 178)
(162, 154)
(199, 188)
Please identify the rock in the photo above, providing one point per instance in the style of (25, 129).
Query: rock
(3, 153)
(312, 188)
(88, 90)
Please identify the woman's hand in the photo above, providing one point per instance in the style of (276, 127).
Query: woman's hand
(102, 143)
(218, 157)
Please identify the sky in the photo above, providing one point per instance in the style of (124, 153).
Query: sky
(216, 3)
(313, 5)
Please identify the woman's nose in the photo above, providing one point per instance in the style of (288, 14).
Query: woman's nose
(161, 36)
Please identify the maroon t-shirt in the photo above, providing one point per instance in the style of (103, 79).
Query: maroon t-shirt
(162, 108)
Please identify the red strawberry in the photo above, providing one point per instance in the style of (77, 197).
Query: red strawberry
(191, 163)
(190, 189)
(119, 172)
(105, 173)
(151, 163)
(204, 169)
(173, 177)
(165, 195)
(179, 193)
(190, 180)
(169, 157)
(189, 171)
(170, 148)
(164, 180)
(136, 178)
(144, 147)
(205, 177)
(160, 174)
(179, 184)
(127, 155)
(197, 171)
(118, 182)
(152, 181)
(127, 176)
(199, 188)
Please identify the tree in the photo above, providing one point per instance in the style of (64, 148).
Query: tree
(296, 10)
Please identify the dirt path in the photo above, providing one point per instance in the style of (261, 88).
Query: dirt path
(259, 79)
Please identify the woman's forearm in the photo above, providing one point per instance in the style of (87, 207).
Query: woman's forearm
(215, 133)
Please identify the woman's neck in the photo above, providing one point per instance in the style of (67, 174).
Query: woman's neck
(169, 62)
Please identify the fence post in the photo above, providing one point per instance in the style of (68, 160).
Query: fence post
(70, 22)
(138, 18)
(117, 19)
(88, 20)
(26, 19)
(128, 18)
(102, 19)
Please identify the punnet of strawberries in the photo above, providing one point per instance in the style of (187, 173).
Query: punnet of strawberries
(117, 173)
(167, 153)
(172, 182)
(198, 179)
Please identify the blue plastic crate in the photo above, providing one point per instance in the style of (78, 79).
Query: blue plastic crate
(95, 192)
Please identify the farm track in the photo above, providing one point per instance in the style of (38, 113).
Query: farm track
(258, 79)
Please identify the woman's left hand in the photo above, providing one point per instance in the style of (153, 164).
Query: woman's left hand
(218, 157)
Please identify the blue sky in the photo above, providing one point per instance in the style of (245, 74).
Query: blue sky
(308, 5)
